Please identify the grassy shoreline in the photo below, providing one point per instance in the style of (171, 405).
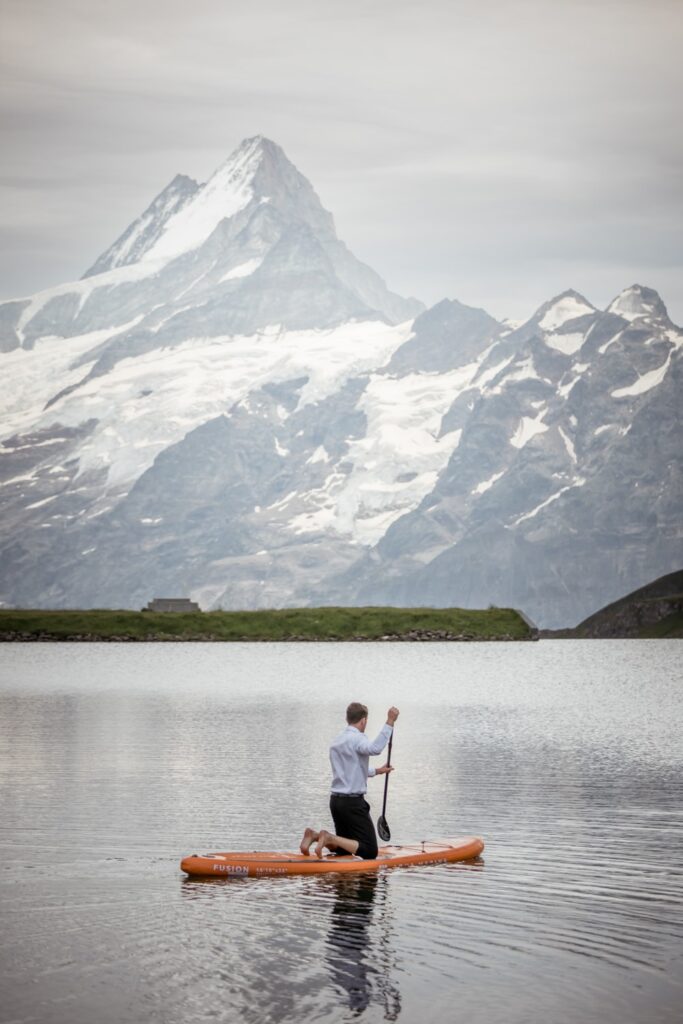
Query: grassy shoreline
(286, 624)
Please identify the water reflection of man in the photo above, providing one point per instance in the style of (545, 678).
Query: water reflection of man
(354, 965)
(349, 754)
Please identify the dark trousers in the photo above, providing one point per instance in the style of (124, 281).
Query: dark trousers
(351, 816)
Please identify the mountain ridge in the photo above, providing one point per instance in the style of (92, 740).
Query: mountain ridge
(145, 230)
(655, 609)
(257, 421)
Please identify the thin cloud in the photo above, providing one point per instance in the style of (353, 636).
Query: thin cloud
(480, 151)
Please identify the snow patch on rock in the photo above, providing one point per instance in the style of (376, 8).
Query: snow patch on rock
(568, 307)
(485, 485)
(319, 455)
(527, 429)
(645, 381)
(243, 270)
(569, 444)
(226, 193)
(579, 482)
(568, 344)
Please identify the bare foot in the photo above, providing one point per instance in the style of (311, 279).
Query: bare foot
(322, 843)
(310, 836)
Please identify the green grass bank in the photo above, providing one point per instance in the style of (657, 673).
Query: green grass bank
(417, 624)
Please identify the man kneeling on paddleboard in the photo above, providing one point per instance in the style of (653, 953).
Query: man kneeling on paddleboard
(349, 753)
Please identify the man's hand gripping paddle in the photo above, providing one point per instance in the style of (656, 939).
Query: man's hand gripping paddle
(382, 826)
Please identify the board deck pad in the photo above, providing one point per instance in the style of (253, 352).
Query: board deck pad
(260, 864)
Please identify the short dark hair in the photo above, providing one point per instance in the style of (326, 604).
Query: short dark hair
(355, 712)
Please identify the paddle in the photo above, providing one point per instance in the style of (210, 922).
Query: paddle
(382, 826)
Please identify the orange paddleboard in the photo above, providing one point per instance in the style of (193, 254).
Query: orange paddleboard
(260, 864)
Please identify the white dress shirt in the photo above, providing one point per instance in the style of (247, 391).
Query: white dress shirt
(349, 753)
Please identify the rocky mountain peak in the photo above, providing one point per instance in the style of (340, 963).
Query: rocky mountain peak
(256, 183)
(258, 151)
(448, 335)
(245, 163)
(569, 305)
(278, 183)
(249, 249)
(228, 191)
(182, 183)
(639, 302)
(143, 233)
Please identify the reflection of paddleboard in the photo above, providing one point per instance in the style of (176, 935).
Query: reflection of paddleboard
(258, 864)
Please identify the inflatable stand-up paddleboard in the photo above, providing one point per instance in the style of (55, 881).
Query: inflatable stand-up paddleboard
(260, 864)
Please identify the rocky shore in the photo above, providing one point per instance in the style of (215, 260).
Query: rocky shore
(414, 636)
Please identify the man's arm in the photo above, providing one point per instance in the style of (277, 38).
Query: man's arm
(377, 745)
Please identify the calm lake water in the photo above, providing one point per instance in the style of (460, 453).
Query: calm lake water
(116, 760)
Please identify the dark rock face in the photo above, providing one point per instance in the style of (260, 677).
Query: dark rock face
(231, 406)
(444, 337)
(632, 619)
(628, 616)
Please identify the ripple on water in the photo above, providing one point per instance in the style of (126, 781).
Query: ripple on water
(557, 754)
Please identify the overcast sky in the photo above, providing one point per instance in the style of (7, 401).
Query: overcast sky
(496, 151)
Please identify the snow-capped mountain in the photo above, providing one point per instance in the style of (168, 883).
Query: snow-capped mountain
(566, 479)
(230, 405)
(250, 249)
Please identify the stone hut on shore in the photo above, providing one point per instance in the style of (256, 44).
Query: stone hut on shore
(172, 604)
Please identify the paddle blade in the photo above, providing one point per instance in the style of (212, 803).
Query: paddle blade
(383, 829)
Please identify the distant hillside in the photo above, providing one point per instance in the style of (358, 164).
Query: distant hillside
(655, 610)
(289, 624)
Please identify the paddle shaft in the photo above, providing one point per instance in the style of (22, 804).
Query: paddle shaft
(386, 778)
